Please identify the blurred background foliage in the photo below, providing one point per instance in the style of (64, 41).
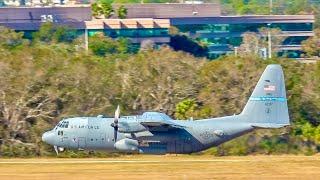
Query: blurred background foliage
(52, 77)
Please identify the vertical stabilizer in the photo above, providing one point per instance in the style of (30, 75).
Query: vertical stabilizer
(267, 106)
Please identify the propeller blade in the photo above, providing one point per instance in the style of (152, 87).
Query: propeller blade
(56, 149)
(117, 113)
(115, 133)
(115, 123)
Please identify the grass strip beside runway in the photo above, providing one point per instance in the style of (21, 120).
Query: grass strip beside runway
(164, 167)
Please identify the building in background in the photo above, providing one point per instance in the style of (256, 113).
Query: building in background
(137, 30)
(32, 3)
(223, 34)
(79, 18)
(170, 10)
(201, 21)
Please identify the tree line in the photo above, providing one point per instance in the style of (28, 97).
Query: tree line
(51, 77)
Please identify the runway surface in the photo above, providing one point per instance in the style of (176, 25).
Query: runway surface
(164, 167)
(110, 161)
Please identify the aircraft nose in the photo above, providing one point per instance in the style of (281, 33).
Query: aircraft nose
(47, 137)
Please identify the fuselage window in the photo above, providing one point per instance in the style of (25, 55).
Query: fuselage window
(60, 133)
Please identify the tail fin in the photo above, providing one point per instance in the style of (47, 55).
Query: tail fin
(267, 106)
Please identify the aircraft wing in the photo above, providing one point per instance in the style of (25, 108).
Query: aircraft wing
(155, 125)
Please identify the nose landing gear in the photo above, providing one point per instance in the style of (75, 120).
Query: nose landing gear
(58, 149)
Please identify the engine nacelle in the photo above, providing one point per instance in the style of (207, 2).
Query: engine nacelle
(127, 145)
(131, 127)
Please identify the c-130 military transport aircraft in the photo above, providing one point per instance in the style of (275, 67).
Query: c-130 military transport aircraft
(157, 133)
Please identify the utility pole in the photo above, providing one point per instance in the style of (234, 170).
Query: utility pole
(236, 51)
(269, 30)
(270, 7)
(269, 42)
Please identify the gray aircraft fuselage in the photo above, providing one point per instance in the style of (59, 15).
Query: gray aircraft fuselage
(95, 133)
(157, 133)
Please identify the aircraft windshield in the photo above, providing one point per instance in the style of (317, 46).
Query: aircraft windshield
(63, 124)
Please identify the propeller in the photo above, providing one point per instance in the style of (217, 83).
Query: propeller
(115, 123)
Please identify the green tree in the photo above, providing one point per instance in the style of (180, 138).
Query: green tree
(107, 9)
(122, 12)
(41, 83)
(102, 45)
(50, 33)
(184, 43)
(185, 109)
(96, 10)
(298, 7)
(312, 45)
(102, 8)
(251, 43)
(10, 39)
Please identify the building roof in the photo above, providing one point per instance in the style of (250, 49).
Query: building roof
(127, 23)
(172, 10)
(96, 24)
(37, 14)
(246, 19)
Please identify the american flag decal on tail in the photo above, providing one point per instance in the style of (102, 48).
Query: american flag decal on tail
(269, 88)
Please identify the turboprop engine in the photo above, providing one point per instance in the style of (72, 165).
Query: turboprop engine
(131, 127)
(127, 145)
(125, 127)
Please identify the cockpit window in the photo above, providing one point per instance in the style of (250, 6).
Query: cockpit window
(63, 124)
